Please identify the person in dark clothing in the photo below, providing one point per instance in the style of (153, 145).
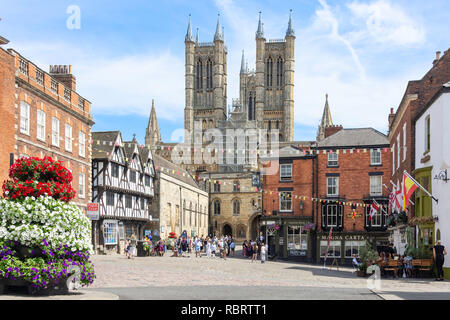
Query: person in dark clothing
(390, 251)
(439, 252)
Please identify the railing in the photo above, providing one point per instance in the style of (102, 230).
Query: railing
(205, 44)
(276, 40)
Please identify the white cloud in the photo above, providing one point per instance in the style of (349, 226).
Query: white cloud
(387, 23)
(119, 85)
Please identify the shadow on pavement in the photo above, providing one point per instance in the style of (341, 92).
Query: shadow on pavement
(326, 272)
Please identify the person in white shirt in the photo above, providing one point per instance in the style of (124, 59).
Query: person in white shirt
(355, 261)
(208, 248)
(263, 252)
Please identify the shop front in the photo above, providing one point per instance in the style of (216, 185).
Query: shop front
(288, 237)
(343, 245)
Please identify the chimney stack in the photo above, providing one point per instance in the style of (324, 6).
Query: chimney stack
(63, 73)
(438, 56)
(330, 130)
(391, 117)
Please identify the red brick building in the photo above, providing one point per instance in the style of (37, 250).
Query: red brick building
(45, 117)
(352, 166)
(287, 204)
(7, 100)
(402, 137)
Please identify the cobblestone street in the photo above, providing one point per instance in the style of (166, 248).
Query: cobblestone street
(237, 278)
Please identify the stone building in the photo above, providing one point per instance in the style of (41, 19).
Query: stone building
(43, 115)
(402, 140)
(265, 102)
(123, 186)
(181, 204)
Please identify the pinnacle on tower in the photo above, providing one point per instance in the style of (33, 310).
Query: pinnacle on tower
(196, 37)
(260, 31)
(326, 120)
(189, 36)
(290, 31)
(218, 36)
(243, 69)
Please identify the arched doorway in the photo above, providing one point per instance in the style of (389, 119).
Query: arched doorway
(227, 231)
(254, 225)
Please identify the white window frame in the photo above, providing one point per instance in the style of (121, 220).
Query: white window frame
(333, 159)
(81, 185)
(68, 134)
(376, 185)
(404, 141)
(24, 118)
(427, 127)
(377, 219)
(82, 144)
(332, 211)
(331, 186)
(374, 157)
(110, 232)
(40, 125)
(393, 159)
(296, 239)
(398, 150)
(333, 246)
(286, 171)
(286, 201)
(55, 131)
(349, 244)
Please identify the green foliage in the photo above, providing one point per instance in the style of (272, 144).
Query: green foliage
(366, 255)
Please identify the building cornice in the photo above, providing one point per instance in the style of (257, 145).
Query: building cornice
(400, 112)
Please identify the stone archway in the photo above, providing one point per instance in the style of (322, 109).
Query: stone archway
(253, 222)
(227, 230)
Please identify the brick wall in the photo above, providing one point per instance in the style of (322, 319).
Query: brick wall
(354, 181)
(7, 77)
(302, 183)
(420, 91)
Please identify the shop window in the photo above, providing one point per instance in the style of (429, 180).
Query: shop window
(353, 247)
(110, 232)
(297, 238)
(334, 251)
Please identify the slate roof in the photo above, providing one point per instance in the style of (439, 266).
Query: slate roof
(355, 138)
(161, 162)
(107, 140)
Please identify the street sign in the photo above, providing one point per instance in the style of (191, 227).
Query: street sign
(92, 211)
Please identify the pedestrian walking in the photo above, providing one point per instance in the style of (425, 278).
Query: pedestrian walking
(132, 247)
(232, 246)
(213, 249)
(439, 252)
(263, 252)
(208, 248)
(255, 251)
(197, 244)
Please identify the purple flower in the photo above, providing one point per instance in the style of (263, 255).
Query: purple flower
(45, 242)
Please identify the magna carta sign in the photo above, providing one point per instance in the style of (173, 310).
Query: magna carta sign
(92, 211)
(355, 237)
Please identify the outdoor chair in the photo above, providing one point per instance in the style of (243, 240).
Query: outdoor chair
(392, 265)
(416, 263)
(425, 266)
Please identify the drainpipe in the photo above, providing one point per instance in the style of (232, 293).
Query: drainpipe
(181, 213)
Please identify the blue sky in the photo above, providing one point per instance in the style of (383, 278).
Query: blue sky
(126, 53)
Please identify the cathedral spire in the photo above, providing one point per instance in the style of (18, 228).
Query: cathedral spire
(260, 31)
(218, 35)
(152, 134)
(189, 36)
(326, 120)
(243, 69)
(290, 31)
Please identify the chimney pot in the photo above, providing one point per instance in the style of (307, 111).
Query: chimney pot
(438, 55)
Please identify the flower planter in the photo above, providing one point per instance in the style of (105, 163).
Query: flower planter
(26, 252)
(53, 289)
(361, 273)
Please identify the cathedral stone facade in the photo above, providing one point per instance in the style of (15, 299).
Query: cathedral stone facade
(265, 102)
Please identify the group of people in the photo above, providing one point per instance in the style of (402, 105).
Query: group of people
(252, 248)
(404, 260)
(223, 246)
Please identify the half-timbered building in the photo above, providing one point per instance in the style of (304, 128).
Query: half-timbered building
(122, 185)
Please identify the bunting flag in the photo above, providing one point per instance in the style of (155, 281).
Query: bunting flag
(409, 186)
